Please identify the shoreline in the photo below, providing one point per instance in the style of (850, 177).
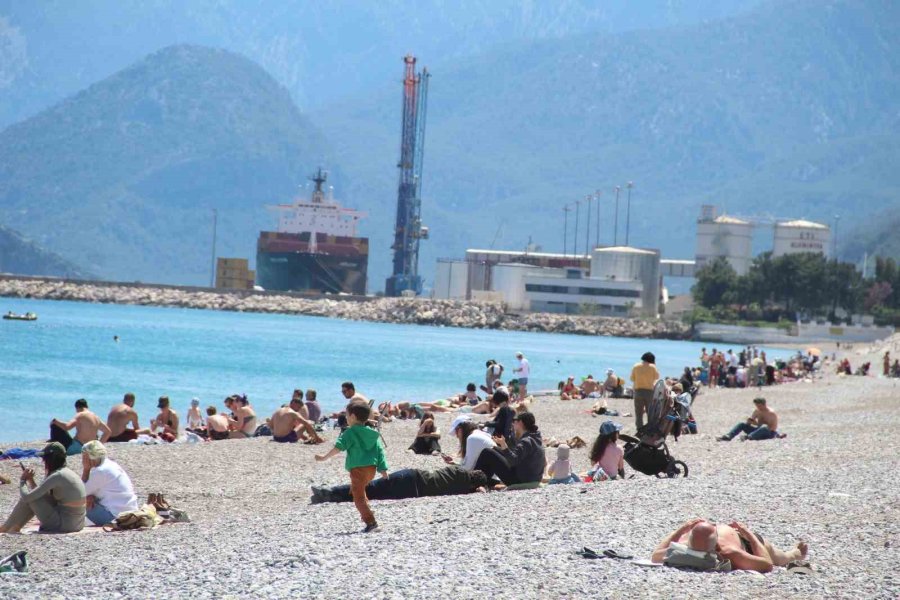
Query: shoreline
(408, 311)
(254, 512)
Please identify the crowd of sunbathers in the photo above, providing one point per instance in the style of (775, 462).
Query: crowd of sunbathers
(505, 451)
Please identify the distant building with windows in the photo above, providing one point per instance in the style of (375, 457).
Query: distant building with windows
(611, 281)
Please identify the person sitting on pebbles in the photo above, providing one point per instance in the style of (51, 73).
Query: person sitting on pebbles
(58, 502)
(107, 487)
(289, 426)
(590, 387)
(704, 545)
(761, 425)
(568, 390)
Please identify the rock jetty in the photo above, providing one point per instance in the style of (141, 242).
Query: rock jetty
(416, 311)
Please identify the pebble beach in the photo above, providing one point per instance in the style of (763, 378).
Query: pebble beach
(832, 482)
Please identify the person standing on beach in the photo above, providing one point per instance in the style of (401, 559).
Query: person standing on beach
(887, 364)
(365, 456)
(494, 373)
(86, 425)
(120, 416)
(524, 370)
(644, 376)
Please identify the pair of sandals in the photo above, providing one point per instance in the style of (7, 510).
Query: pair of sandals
(586, 552)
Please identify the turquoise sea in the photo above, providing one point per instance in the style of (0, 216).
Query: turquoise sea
(69, 353)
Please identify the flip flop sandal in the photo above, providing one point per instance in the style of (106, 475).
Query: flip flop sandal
(614, 554)
(800, 567)
(586, 552)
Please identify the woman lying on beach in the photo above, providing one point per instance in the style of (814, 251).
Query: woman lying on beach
(58, 502)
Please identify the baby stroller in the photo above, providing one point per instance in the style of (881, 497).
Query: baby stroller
(648, 453)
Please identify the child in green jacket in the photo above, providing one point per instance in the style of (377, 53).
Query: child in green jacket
(365, 455)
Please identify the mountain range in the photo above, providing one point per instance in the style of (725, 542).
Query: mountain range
(785, 109)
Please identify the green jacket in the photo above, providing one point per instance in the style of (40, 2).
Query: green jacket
(364, 448)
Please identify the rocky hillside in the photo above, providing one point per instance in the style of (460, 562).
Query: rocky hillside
(122, 177)
(21, 256)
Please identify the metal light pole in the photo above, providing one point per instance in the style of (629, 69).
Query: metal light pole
(628, 213)
(212, 273)
(616, 220)
(575, 245)
(597, 196)
(566, 210)
(587, 227)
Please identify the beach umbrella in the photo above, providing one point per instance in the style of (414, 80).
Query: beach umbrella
(814, 352)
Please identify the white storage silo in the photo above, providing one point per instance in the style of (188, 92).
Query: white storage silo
(793, 237)
(451, 279)
(724, 236)
(624, 263)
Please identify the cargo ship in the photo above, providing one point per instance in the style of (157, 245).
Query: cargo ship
(315, 248)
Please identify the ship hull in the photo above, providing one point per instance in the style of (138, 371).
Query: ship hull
(288, 262)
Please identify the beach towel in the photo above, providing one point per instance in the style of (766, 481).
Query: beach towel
(19, 453)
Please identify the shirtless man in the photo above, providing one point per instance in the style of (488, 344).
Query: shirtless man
(287, 423)
(166, 421)
(120, 417)
(86, 425)
(216, 424)
(733, 542)
(589, 386)
(761, 425)
(244, 423)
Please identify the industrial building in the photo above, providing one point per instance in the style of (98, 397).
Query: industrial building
(732, 238)
(794, 237)
(723, 236)
(611, 281)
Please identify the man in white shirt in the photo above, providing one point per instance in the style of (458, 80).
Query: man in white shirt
(107, 487)
(524, 370)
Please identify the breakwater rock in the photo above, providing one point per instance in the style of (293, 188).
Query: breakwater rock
(418, 311)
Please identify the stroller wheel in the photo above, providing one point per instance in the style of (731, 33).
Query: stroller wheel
(676, 468)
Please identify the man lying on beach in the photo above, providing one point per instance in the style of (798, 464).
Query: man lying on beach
(410, 483)
(216, 424)
(704, 545)
(86, 425)
(761, 425)
(289, 426)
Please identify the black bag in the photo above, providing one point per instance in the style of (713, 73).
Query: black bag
(646, 459)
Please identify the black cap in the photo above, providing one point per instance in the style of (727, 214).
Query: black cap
(53, 449)
(163, 402)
